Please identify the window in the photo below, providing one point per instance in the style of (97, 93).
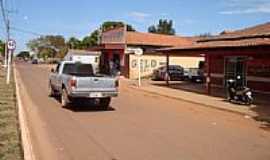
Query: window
(78, 69)
(96, 60)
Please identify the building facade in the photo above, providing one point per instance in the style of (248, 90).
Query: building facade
(117, 43)
(243, 53)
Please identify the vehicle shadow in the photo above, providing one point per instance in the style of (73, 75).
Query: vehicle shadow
(86, 106)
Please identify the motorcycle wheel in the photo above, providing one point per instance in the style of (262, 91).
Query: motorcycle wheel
(249, 101)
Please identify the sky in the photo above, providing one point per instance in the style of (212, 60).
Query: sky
(80, 17)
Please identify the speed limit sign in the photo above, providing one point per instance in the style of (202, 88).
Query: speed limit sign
(11, 45)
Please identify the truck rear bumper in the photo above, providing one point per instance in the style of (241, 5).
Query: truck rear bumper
(97, 94)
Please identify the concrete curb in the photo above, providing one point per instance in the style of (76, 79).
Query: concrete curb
(197, 103)
(28, 152)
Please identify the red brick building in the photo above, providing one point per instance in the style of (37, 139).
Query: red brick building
(244, 52)
(115, 42)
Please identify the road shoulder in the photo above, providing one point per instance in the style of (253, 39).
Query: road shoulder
(25, 135)
(37, 141)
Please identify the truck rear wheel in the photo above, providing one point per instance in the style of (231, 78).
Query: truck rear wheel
(105, 103)
(51, 91)
(64, 98)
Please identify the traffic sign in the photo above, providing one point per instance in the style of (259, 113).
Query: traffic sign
(136, 51)
(139, 52)
(11, 44)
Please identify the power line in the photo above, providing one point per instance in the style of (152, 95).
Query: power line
(8, 52)
(5, 17)
(6, 22)
(26, 31)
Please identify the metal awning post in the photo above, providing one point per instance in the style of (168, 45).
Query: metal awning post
(208, 78)
(167, 67)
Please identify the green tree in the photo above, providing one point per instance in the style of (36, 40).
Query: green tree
(91, 40)
(74, 43)
(2, 48)
(48, 46)
(115, 24)
(46, 53)
(164, 27)
(23, 54)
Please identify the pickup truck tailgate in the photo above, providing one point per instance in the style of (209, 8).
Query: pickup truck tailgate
(96, 84)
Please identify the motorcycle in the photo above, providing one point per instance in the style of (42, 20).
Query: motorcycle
(242, 95)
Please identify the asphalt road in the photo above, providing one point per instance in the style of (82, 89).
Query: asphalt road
(139, 126)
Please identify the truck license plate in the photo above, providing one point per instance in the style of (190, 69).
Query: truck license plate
(95, 95)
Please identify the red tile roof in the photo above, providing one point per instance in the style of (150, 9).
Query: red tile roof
(150, 39)
(252, 36)
(222, 44)
(117, 36)
(250, 32)
(255, 30)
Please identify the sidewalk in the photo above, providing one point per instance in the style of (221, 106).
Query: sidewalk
(262, 110)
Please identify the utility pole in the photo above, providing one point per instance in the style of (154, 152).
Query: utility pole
(6, 46)
(8, 51)
(6, 22)
(11, 47)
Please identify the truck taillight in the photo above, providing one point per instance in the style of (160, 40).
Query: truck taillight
(73, 83)
(117, 83)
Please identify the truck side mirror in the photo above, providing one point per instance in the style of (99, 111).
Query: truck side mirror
(52, 70)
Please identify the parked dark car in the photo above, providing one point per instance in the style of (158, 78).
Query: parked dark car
(196, 75)
(175, 73)
(34, 61)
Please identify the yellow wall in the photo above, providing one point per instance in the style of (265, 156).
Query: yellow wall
(151, 62)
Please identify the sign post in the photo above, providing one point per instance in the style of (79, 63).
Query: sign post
(11, 46)
(138, 52)
(6, 54)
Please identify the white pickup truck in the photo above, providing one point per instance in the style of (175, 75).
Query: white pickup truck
(77, 81)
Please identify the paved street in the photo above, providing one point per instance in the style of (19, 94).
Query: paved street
(139, 126)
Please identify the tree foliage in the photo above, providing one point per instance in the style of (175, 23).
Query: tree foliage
(74, 43)
(50, 46)
(92, 39)
(86, 42)
(54, 46)
(23, 54)
(2, 48)
(115, 24)
(163, 27)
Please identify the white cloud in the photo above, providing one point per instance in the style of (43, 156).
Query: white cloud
(246, 7)
(139, 16)
(25, 18)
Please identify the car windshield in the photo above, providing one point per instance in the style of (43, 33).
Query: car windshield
(78, 69)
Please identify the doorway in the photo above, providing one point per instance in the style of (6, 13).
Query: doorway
(236, 67)
(116, 61)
